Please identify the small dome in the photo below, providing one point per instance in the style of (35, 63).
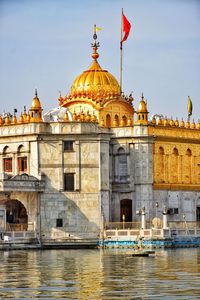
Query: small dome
(182, 123)
(171, 122)
(176, 123)
(166, 122)
(142, 108)
(57, 114)
(36, 105)
(193, 125)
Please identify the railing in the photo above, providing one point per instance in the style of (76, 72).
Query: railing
(133, 231)
(10, 236)
(125, 225)
(149, 225)
(183, 224)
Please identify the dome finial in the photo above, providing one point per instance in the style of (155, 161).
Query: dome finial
(95, 45)
(35, 92)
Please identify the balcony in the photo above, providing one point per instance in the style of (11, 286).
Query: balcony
(22, 183)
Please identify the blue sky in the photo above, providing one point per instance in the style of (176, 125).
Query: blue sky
(46, 44)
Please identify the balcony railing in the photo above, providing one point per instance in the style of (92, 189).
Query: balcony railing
(22, 182)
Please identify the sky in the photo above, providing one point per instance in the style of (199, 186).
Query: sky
(46, 44)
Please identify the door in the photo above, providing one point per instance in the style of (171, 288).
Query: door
(126, 210)
(198, 214)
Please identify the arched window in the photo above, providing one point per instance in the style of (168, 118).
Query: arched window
(117, 120)
(189, 152)
(187, 166)
(160, 166)
(20, 149)
(125, 120)
(7, 160)
(175, 151)
(174, 166)
(161, 151)
(21, 160)
(6, 150)
(108, 121)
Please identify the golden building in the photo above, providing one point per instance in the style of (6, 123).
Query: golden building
(95, 159)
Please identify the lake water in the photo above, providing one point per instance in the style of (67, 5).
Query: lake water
(99, 274)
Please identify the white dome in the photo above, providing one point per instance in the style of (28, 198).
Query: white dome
(57, 115)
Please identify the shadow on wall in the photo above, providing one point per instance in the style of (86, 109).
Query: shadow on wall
(65, 215)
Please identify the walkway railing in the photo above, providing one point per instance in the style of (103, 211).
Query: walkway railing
(130, 231)
(10, 236)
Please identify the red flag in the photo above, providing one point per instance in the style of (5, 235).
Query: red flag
(126, 28)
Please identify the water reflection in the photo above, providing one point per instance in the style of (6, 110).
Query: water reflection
(99, 274)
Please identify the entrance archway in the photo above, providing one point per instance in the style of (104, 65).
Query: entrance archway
(126, 210)
(16, 215)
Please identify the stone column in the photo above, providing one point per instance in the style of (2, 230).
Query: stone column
(143, 218)
(165, 225)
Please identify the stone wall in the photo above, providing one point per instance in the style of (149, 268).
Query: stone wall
(185, 201)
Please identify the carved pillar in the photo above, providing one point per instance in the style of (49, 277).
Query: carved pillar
(180, 168)
(167, 168)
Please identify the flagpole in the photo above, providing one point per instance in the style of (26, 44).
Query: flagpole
(121, 49)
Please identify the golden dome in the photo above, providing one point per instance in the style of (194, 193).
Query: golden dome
(171, 122)
(14, 119)
(21, 119)
(187, 125)
(95, 82)
(182, 123)
(7, 120)
(142, 108)
(176, 123)
(193, 125)
(36, 105)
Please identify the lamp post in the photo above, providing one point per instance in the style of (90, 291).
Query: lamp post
(157, 205)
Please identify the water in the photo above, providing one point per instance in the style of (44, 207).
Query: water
(99, 274)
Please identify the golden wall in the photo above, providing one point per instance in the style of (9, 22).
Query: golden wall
(176, 159)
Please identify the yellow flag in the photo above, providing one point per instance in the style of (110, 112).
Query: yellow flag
(98, 28)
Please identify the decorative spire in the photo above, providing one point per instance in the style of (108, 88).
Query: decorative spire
(36, 92)
(95, 45)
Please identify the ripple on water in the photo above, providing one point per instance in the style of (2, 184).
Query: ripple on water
(97, 274)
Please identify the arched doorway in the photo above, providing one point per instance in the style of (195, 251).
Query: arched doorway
(16, 215)
(126, 210)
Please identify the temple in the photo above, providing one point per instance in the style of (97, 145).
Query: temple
(95, 159)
